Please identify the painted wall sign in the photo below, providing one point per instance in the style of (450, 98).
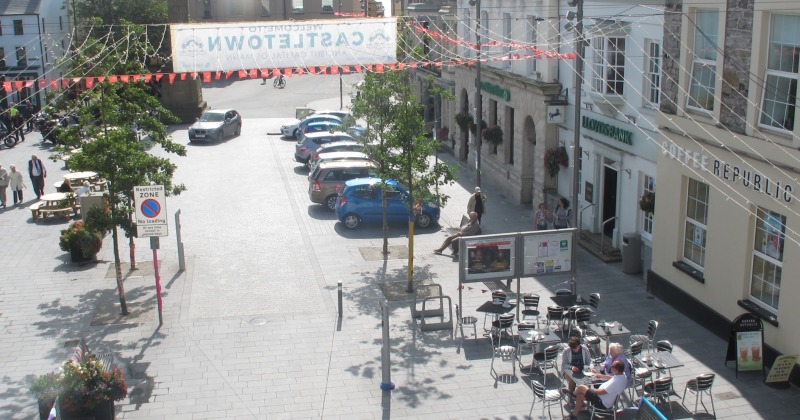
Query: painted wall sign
(234, 46)
(616, 133)
(743, 175)
(496, 90)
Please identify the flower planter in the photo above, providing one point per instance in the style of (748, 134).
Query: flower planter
(102, 411)
(76, 255)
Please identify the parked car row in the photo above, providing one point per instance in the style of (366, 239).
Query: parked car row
(343, 179)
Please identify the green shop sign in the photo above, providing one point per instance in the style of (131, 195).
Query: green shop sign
(496, 90)
(616, 133)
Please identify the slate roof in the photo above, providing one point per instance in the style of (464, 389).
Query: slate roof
(19, 7)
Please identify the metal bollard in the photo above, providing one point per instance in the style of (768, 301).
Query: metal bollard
(386, 383)
(340, 299)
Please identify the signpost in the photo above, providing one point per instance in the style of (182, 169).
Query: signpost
(151, 221)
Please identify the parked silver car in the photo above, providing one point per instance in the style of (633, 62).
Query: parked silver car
(214, 125)
(309, 143)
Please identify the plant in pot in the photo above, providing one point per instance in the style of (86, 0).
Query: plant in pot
(83, 239)
(648, 202)
(493, 135)
(472, 126)
(554, 159)
(463, 120)
(81, 389)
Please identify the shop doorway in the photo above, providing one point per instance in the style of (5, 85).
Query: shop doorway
(610, 175)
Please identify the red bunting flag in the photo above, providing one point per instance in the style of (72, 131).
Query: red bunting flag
(171, 77)
(7, 86)
(113, 79)
(206, 76)
(124, 78)
(89, 82)
(101, 79)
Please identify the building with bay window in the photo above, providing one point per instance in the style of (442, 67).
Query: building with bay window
(728, 167)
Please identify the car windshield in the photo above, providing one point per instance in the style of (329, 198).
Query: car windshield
(212, 117)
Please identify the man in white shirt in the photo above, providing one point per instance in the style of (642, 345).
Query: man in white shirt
(606, 394)
(86, 188)
(38, 173)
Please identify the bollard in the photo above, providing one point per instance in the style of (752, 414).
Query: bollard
(181, 258)
(386, 383)
(340, 299)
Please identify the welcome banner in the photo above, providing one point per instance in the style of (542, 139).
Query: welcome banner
(256, 45)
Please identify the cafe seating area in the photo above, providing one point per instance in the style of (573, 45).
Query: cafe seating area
(513, 332)
(65, 204)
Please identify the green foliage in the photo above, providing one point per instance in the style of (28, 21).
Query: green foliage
(78, 235)
(493, 135)
(554, 159)
(464, 120)
(648, 202)
(81, 384)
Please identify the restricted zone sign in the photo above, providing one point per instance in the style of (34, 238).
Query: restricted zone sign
(151, 211)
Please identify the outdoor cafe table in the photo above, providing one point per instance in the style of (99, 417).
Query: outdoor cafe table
(565, 301)
(496, 310)
(658, 361)
(53, 199)
(582, 379)
(617, 330)
(79, 177)
(538, 340)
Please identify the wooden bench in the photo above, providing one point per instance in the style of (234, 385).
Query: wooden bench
(81, 353)
(35, 209)
(44, 212)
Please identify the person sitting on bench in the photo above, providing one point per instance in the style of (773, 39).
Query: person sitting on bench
(470, 229)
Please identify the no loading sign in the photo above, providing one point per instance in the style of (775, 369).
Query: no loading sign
(151, 211)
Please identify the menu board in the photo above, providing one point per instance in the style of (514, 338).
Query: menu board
(489, 258)
(546, 252)
(782, 368)
(748, 351)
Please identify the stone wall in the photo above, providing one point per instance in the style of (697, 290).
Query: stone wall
(736, 67)
(673, 16)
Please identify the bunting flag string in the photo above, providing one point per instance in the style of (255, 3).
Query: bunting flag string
(209, 76)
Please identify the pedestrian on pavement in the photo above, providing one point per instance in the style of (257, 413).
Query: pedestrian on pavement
(477, 203)
(561, 214)
(17, 122)
(16, 183)
(27, 115)
(471, 228)
(4, 179)
(541, 217)
(38, 173)
(7, 122)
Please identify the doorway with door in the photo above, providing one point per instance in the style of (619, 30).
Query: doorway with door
(609, 194)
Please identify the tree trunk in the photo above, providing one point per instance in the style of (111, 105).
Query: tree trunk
(118, 268)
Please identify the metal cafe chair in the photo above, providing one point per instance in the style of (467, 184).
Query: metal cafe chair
(466, 320)
(698, 386)
(548, 397)
(555, 314)
(505, 354)
(603, 412)
(652, 327)
(505, 323)
(530, 304)
(660, 389)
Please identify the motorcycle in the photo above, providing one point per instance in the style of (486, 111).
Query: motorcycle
(8, 139)
(47, 125)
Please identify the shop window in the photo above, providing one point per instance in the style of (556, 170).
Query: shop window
(765, 282)
(608, 65)
(327, 6)
(704, 63)
(653, 74)
(22, 58)
(695, 228)
(780, 90)
(297, 6)
(648, 186)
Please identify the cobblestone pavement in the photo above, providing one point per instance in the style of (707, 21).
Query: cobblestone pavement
(251, 328)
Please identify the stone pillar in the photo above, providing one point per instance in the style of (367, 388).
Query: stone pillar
(183, 97)
(736, 67)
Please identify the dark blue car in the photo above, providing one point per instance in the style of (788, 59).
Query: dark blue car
(360, 201)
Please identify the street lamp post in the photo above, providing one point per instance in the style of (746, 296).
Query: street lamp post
(478, 96)
(576, 151)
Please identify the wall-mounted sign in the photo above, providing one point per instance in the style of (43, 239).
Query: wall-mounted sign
(616, 133)
(496, 90)
(588, 192)
(555, 114)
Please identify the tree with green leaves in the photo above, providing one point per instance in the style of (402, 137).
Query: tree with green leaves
(398, 142)
(112, 118)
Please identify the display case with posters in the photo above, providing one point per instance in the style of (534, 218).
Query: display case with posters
(488, 257)
(546, 252)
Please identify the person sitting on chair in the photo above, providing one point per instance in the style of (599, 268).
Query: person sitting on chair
(606, 394)
(575, 357)
(616, 352)
(470, 229)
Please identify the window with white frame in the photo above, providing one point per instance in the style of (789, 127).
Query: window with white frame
(648, 186)
(780, 89)
(765, 282)
(694, 243)
(297, 6)
(507, 38)
(206, 9)
(704, 63)
(652, 89)
(531, 36)
(327, 6)
(608, 65)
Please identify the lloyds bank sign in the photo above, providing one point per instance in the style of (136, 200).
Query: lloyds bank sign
(616, 133)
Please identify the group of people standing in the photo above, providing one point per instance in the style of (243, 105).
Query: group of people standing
(559, 217)
(18, 119)
(37, 173)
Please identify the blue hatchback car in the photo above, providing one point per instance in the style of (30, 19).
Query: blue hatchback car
(360, 201)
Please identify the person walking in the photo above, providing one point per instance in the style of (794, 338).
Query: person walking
(4, 178)
(541, 217)
(27, 115)
(16, 122)
(477, 203)
(561, 214)
(16, 183)
(38, 173)
(8, 123)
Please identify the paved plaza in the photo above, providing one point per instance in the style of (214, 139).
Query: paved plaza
(250, 328)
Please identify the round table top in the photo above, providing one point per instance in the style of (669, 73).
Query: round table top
(80, 175)
(56, 196)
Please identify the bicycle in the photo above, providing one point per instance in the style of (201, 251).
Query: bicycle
(280, 82)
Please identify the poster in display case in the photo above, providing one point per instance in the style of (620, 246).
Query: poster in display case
(546, 252)
(488, 257)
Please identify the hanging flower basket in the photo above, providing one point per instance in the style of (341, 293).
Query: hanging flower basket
(493, 135)
(463, 120)
(648, 202)
(554, 159)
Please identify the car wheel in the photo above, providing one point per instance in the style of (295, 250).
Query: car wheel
(424, 220)
(221, 136)
(351, 221)
(296, 133)
(330, 202)
(238, 130)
